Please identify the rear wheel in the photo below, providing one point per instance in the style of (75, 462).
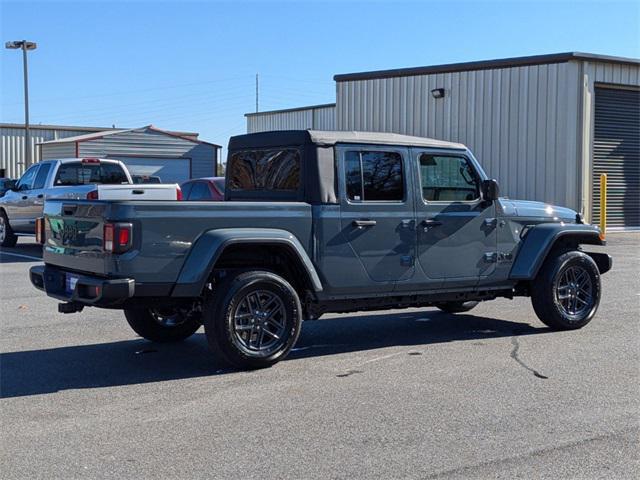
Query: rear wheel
(456, 307)
(253, 319)
(163, 325)
(7, 237)
(566, 293)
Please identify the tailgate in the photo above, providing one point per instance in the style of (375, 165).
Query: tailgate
(74, 233)
(138, 192)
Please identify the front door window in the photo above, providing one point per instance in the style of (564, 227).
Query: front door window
(26, 181)
(456, 231)
(448, 179)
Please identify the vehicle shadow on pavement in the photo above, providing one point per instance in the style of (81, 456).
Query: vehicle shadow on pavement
(26, 251)
(380, 330)
(138, 361)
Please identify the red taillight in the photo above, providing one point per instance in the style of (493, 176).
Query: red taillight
(90, 160)
(117, 237)
(178, 193)
(124, 235)
(40, 230)
(92, 195)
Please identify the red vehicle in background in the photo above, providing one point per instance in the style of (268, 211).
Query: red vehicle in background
(203, 189)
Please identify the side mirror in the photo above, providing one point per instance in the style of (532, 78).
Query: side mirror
(11, 185)
(490, 190)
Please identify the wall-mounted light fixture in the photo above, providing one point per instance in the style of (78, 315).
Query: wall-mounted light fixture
(437, 93)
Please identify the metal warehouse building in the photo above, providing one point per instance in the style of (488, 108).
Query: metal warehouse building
(314, 117)
(545, 126)
(174, 156)
(12, 143)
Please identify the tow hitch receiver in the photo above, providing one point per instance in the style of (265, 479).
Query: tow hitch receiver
(70, 307)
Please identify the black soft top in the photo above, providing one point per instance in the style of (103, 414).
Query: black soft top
(319, 178)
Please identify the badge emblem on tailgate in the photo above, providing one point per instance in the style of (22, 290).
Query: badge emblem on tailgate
(69, 233)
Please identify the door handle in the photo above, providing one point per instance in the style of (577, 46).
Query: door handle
(364, 223)
(430, 222)
(24, 197)
(41, 196)
(406, 223)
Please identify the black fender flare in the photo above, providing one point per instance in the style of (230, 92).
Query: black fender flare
(541, 238)
(208, 248)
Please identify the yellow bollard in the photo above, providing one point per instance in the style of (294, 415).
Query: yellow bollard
(603, 206)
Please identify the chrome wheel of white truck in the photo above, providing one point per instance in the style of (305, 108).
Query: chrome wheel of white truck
(7, 237)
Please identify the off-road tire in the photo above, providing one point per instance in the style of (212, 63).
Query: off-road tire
(230, 332)
(456, 307)
(546, 296)
(7, 237)
(146, 324)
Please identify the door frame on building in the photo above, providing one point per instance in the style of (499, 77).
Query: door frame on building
(588, 171)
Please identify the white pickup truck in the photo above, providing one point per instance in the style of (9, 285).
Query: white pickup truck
(72, 178)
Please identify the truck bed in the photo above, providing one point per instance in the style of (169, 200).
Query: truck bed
(163, 233)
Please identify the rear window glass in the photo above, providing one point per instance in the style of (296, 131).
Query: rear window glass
(219, 183)
(78, 173)
(186, 189)
(200, 191)
(276, 169)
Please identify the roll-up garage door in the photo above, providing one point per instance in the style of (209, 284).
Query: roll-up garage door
(616, 152)
(170, 170)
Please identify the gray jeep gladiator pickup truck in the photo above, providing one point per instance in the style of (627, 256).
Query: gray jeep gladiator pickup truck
(317, 222)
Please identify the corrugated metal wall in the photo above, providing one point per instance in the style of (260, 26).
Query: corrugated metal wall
(58, 150)
(146, 143)
(317, 118)
(12, 146)
(324, 118)
(522, 123)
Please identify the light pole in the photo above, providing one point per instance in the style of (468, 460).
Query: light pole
(24, 46)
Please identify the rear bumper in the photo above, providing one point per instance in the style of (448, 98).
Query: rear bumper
(88, 290)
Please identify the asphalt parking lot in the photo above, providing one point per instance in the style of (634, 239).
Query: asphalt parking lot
(403, 394)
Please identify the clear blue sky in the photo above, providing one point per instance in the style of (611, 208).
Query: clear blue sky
(192, 65)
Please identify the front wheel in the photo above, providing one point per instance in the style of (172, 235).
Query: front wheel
(253, 319)
(7, 237)
(566, 293)
(163, 325)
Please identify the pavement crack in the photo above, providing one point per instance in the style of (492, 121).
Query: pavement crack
(349, 372)
(514, 354)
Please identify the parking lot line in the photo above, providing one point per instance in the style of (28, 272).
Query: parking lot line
(20, 255)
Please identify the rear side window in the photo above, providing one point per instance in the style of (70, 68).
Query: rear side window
(374, 176)
(276, 169)
(42, 175)
(78, 173)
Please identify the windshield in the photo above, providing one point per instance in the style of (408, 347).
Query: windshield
(79, 173)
